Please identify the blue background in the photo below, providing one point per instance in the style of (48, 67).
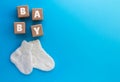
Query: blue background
(83, 37)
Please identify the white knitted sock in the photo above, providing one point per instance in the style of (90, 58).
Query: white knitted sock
(40, 58)
(22, 58)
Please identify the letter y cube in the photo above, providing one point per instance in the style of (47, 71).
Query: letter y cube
(36, 30)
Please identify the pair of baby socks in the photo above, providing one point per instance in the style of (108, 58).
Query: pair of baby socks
(31, 55)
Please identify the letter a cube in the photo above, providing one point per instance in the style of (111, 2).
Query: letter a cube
(37, 14)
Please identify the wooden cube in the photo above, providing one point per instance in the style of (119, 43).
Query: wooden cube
(37, 14)
(19, 27)
(36, 30)
(23, 11)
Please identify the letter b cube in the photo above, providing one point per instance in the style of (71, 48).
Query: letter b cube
(23, 11)
(19, 27)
